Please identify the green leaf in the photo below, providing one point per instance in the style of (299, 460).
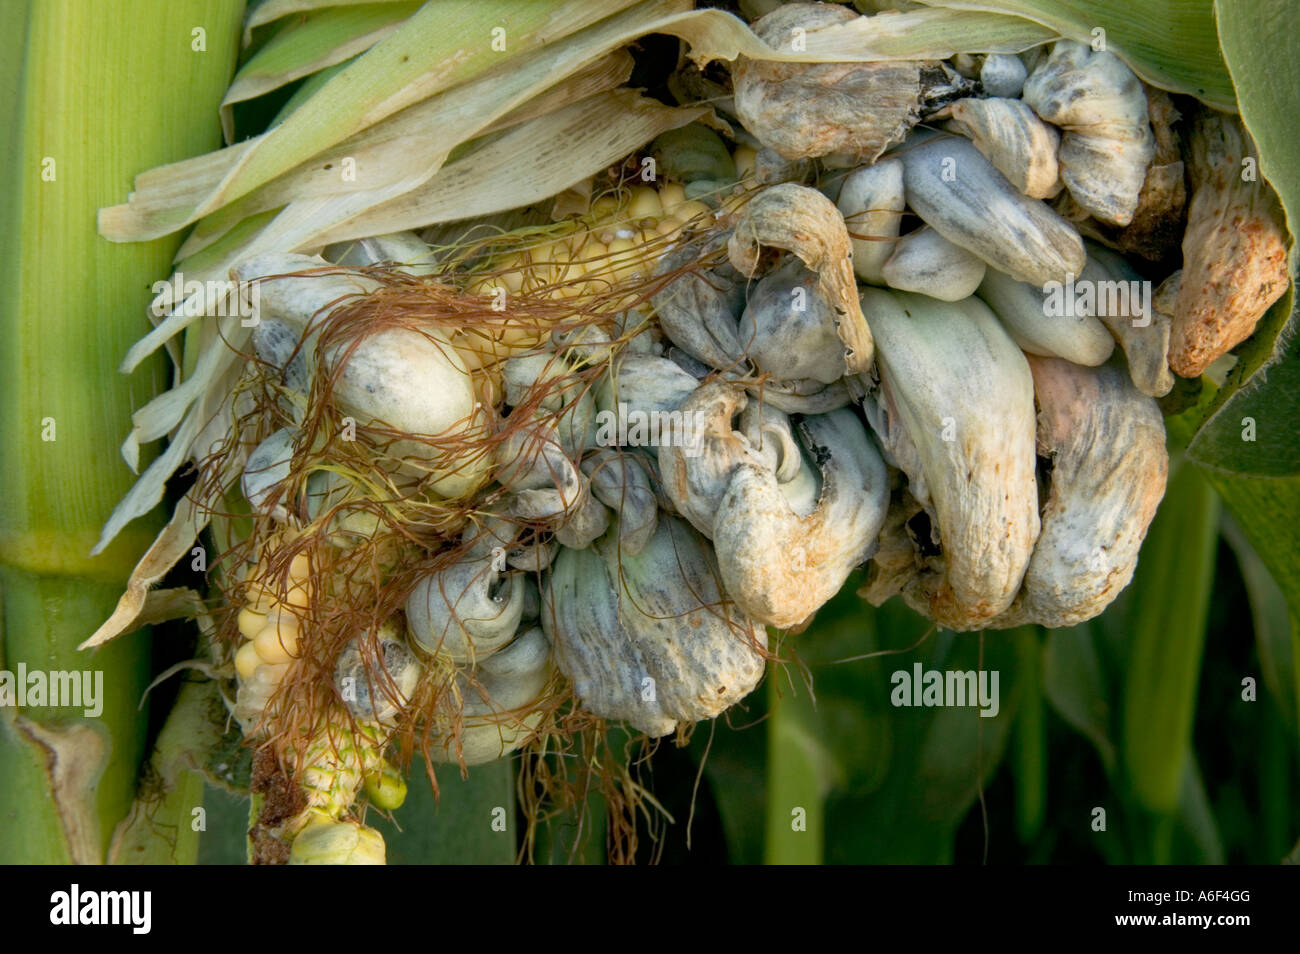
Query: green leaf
(939, 758)
(462, 827)
(1196, 819)
(1249, 425)
(800, 772)
(92, 93)
(1271, 621)
(225, 841)
(308, 88)
(733, 750)
(1169, 43)
(1075, 686)
(1029, 740)
(1261, 44)
(1268, 511)
(1167, 618)
(320, 40)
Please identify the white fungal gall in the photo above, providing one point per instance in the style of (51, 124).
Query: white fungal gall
(927, 263)
(1019, 145)
(803, 221)
(942, 360)
(965, 199)
(1106, 443)
(871, 201)
(1107, 143)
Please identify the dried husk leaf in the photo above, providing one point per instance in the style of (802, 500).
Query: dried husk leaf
(383, 151)
(527, 164)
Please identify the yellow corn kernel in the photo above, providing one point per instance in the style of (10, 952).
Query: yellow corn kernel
(471, 350)
(606, 205)
(297, 600)
(277, 644)
(623, 258)
(668, 230)
(671, 196)
(250, 622)
(744, 158)
(697, 213)
(513, 280)
(644, 204)
(260, 598)
(548, 264)
(591, 254)
(247, 660)
(386, 788)
(575, 240)
(300, 568)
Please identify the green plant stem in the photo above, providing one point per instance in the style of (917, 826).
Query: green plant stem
(94, 94)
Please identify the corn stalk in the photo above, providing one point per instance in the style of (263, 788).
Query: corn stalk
(94, 93)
